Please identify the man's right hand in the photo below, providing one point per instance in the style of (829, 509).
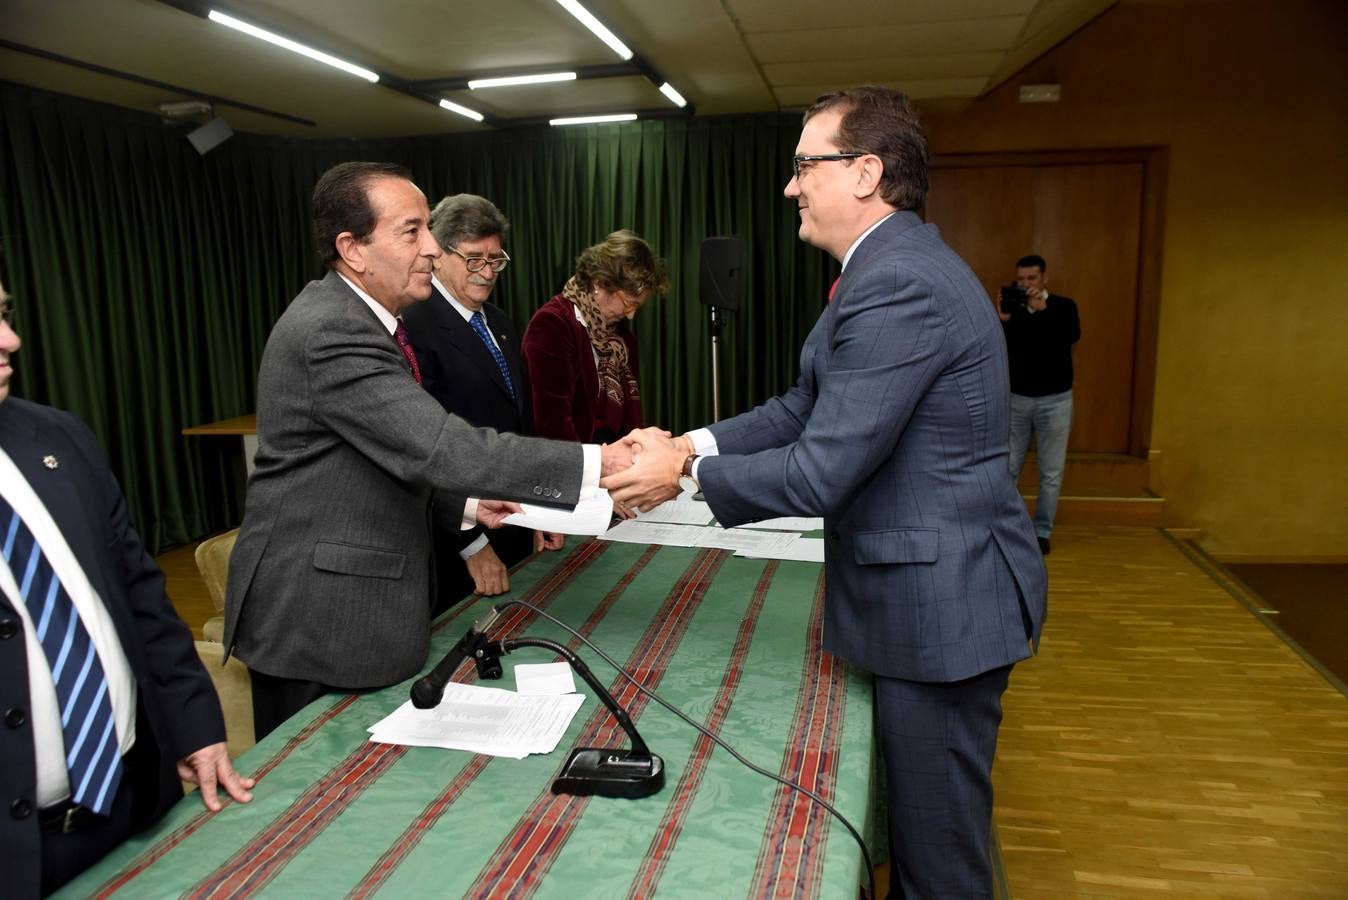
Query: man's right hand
(615, 458)
(490, 576)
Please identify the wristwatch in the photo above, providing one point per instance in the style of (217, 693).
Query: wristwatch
(686, 480)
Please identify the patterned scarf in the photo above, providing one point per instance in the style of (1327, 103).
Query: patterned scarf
(615, 374)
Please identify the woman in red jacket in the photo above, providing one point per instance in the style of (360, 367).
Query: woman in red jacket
(580, 349)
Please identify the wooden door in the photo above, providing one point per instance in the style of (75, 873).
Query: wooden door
(1086, 220)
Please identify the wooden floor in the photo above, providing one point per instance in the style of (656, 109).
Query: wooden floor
(1164, 743)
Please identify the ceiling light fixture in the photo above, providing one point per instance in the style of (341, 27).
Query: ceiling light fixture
(674, 96)
(462, 110)
(594, 120)
(287, 43)
(510, 80)
(587, 19)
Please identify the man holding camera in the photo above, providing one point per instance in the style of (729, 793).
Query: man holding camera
(1040, 330)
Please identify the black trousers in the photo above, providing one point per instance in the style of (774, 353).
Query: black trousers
(276, 699)
(66, 855)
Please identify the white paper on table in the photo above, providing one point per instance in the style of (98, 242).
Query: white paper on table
(591, 516)
(788, 523)
(638, 531)
(803, 549)
(544, 678)
(760, 543)
(482, 720)
(682, 510)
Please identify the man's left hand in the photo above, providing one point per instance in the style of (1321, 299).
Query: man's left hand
(492, 513)
(547, 540)
(1037, 300)
(655, 476)
(210, 767)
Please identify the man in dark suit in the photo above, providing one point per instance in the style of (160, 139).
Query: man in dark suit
(106, 705)
(469, 353)
(331, 581)
(896, 434)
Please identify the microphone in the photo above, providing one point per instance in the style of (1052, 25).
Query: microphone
(599, 771)
(429, 689)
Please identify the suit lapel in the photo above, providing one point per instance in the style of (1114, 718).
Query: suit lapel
(511, 352)
(35, 452)
(464, 340)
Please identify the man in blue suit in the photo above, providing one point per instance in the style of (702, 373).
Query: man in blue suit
(897, 434)
(106, 704)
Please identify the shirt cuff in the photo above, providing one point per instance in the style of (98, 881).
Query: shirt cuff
(589, 477)
(474, 548)
(704, 442)
(469, 514)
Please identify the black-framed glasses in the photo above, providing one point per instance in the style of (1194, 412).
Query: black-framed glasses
(478, 263)
(820, 157)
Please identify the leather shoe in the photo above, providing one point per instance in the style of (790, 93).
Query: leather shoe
(1044, 547)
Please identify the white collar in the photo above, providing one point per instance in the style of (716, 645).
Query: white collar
(387, 318)
(865, 234)
(453, 301)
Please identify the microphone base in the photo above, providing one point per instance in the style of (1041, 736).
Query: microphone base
(601, 772)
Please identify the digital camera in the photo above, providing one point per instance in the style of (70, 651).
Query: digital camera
(1014, 297)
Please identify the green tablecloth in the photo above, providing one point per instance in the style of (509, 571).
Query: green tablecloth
(733, 642)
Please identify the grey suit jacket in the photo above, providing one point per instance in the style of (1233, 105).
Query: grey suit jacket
(331, 577)
(896, 434)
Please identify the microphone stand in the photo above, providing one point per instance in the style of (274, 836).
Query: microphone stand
(716, 326)
(596, 771)
(589, 770)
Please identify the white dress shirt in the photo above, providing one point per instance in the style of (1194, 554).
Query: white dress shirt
(53, 780)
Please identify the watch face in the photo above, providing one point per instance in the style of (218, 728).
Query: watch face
(689, 483)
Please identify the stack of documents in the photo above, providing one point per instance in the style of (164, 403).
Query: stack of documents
(760, 543)
(482, 720)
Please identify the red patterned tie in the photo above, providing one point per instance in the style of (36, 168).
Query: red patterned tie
(833, 288)
(400, 335)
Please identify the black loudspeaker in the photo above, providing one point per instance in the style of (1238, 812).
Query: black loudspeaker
(719, 272)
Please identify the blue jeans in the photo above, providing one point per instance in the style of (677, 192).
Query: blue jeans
(1049, 419)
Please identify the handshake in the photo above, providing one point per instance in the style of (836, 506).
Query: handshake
(642, 470)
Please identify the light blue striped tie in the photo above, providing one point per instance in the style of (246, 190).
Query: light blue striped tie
(93, 753)
(480, 326)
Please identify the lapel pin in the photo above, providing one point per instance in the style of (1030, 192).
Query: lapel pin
(51, 462)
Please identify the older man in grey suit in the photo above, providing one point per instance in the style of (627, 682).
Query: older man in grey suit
(330, 582)
(897, 435)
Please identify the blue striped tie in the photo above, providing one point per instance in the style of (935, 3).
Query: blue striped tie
(93, 753)
(480, 326)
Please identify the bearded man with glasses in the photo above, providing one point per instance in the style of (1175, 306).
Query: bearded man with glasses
(469, 353)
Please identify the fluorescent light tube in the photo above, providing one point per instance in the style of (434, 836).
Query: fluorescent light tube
(461, 110)
(674, 96)
(596, 27)
(287, 43)
(592, 120)
(545, 78)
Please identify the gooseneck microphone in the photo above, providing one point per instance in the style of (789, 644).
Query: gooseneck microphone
(606, 772)
(430, 689)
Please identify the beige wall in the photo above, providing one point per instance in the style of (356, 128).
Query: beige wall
(1251, 98)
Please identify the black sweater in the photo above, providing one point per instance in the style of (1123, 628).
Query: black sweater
(1039, 345)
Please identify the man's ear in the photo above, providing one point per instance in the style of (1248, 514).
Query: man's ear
(351, 251)
(869, 171)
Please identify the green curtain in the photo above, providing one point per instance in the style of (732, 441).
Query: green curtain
(147, 278)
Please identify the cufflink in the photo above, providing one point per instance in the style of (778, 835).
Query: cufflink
(51, 462)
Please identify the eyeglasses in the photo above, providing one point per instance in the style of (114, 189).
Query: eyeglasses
(7, 311)
(478, 263)
(821, 157)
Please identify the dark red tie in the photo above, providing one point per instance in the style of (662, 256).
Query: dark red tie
(833, 288)
(400, 335)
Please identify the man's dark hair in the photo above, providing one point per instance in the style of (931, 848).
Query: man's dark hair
(342, 203)
(881, 121)
(466, 217)
(1034, 259)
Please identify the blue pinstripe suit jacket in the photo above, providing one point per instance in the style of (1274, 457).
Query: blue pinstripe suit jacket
(896, 433)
